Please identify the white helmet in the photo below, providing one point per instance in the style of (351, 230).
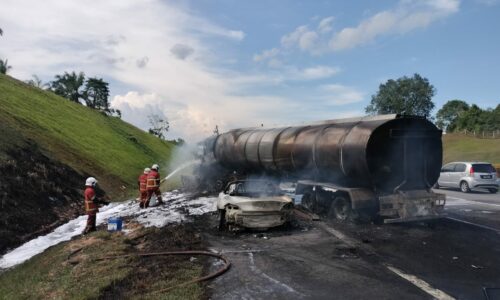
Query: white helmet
(155, 167)
(91, 181)
(147, 170)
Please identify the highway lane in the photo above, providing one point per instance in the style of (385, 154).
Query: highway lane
(478, 207)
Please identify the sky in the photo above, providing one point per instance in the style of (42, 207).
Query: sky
(250, 63)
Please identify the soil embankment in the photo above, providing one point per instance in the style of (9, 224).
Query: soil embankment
(37, 194)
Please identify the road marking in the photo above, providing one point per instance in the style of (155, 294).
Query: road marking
(468, 202)
(474, 224)
(254, 268)
(437, 294)
(424, 286)
(349, 241)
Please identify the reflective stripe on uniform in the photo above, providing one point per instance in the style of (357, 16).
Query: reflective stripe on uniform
(152, 183)
(90, 206)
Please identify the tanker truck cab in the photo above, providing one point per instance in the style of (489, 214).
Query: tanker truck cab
(254, 204)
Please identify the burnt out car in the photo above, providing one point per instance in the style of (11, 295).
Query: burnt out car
(254, 204)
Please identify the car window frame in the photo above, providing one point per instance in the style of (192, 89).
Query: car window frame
(448, 168)
(455, 169)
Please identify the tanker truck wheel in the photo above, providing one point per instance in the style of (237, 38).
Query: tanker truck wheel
(308, 201)
(341, 209)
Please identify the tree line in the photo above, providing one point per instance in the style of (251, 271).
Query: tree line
(413, 96)
(458, 115)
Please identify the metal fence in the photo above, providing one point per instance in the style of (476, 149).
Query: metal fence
(495, 134)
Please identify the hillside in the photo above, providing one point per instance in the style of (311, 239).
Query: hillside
(458, 147)
(48, 145)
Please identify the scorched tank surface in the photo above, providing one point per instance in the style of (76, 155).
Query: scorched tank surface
(386, 153)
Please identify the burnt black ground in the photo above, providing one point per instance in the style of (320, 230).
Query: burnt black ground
(306, 262)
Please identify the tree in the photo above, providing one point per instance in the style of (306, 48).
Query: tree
(35, 81)
(69, 85)
(4, 66)
(409, 96)
(159, 126)
(96, 93)
(448, 115)
(477, 119)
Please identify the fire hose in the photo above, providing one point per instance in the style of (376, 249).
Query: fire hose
(219, 272)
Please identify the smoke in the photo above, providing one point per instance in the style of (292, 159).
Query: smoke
(182, 157)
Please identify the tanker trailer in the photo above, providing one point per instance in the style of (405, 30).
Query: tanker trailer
(377, 165)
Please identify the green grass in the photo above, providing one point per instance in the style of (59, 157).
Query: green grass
(50, 275)
(106, 147)
(458, 147)
(56, 274)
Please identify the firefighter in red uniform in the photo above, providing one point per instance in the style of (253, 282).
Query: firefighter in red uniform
(91, 204)
(153, 185)
(143, 191)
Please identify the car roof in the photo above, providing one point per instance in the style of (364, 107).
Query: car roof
(251, 180)
(469, 162)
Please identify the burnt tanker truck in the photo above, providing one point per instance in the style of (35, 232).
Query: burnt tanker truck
(380, 166)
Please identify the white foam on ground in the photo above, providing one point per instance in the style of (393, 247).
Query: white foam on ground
(177, 208)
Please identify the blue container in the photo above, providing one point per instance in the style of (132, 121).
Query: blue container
(114, 224)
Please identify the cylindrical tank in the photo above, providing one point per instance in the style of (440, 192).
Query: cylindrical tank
(386, 153)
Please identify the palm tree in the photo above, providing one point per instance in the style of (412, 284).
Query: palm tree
(96, 93)
(4, 66)
(69, 86)
(36, 82)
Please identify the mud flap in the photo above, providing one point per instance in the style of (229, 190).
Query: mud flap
(409, 206)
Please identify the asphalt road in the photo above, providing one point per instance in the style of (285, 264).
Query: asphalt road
(305, 262)
(456, 259)
(477, 207)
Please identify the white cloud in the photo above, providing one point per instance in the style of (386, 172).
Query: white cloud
(325, 25)
(302, 37)
(337, 94)
(266, 54)
(129, 43)
(181, 51)
(318, 72)
(408, 15)
(142, 62)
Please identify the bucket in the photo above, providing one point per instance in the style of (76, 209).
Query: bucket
(114, 224)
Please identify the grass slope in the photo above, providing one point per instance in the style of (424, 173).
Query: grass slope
(458, 147)
(84, 139)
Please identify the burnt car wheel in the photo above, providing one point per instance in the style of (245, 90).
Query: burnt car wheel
(464, 187)
(340, 209)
